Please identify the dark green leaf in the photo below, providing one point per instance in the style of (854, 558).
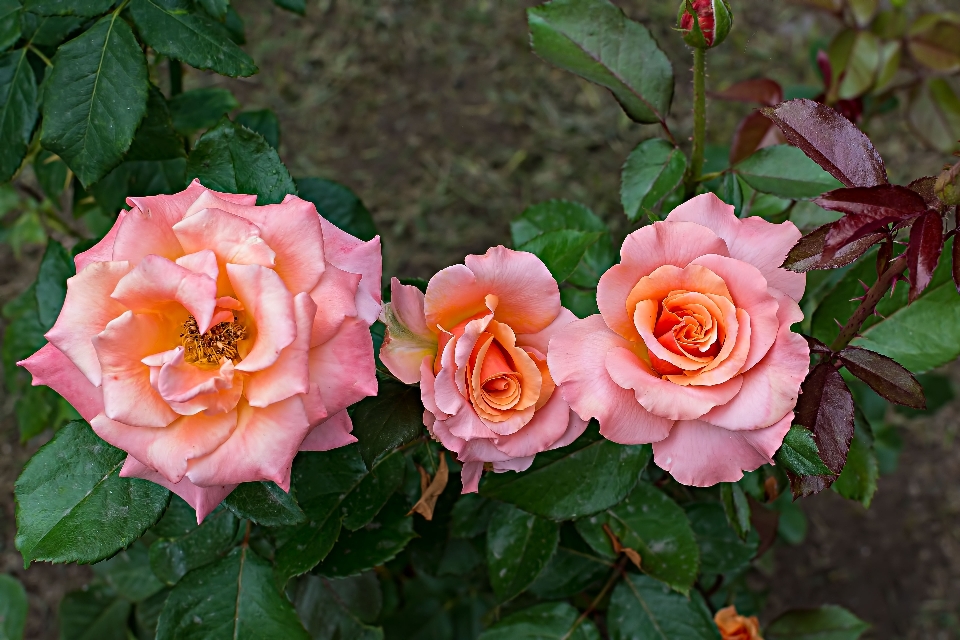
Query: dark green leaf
(460, 557)
(129, 573)
(652, 170)
(550, 621)
(13, 608)
(170, 560)
(934, 113)
(721, 550)
(519, 545)
(829, 622)
(736, 508)
(264, 122)
(799, 454)
(653, 525)
(573, 568)
(388, 420)
(96, 612)
(340, 608)
(72, 505)
(339, 205)
(642, 608)
(95, 97)
(9, 23)
(787, 172)
(596, 41)
(561, 250)
(234, 26)
(233, 159)
(18, 110)
(566, 483)
(582, 302)
(368, 497)
(83, 8)
(201, 108)
(216, 9)
(374, 544)
(173, 29)
(265, 503)
(51, 173)
(471, 515)
(47, 31)
(310, 543)
(858, 481)
(178, 520)
(318, 473)
(147, 613)
(234, 598)
(296, 6)
(51, 287)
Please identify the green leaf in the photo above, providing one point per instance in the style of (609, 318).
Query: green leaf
(573, 568)
(216, 9)
(471, 516)
(565, 483)
(234, 598)
(13, 608)
(860, 70)
(72, 505)
(340, 608)
(147, 613)
(596, 41)
(309, 544)
(95, 97)
(581, 302)
(934, 113)
(828, 622)
(653, 525)
(799, 454)
(47, 31)
(390, 419)
(519, 545)
(233, 159)
(721, 550)
(644, 608)
(173, 29)
(201, 108)
(562, 250)
(172, 559)
(51, 288)
(178, 520)
(338, 205)
(9, 23)
(96, 612)
(84, 8)
(296, 6)
(51, 173)
(858, 480)
(652, 170)
(264, 503)
(374, 544)
(549, 621)
(129, 573)
(366, 499)
(736, 508)
(264, 122)
(18, 110)
(785, 171)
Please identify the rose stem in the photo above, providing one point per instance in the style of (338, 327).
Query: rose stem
(699, 117)
(616, 573)
(869, 303)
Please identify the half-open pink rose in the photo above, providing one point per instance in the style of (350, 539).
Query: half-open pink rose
(693, 349)
(477, 344)
(212, 339)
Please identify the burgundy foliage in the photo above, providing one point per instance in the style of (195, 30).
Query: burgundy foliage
(826, 408)
(923, 252)
(808, 253)
(885, 376)
(868, 210)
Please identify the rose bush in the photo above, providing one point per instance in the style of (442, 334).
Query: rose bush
(692, 349)
(478, 342)
(212, 339)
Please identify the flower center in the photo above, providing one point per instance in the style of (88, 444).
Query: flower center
(210, 348)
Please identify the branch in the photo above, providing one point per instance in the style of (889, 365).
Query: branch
(869, 303)
(614, 575)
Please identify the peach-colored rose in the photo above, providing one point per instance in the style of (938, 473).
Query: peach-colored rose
(733, 626)
(477, 344)
(212, 339)
(693, 349)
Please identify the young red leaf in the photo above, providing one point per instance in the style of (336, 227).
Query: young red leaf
(830, 140)
(867, 210)
(754, 132)
(923, 252)
(762, 91)
(817, 347)
(826, 408)
(926, 187)
(885, 376)
(808, 253)
(803, 486)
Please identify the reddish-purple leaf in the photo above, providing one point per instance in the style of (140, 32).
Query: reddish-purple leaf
(817, 347)
(803, 486)
(885, 376)
(808, 253)
(867, 210)
(830, 140)
(762, 91)
(826, 69)
(826, 408)
(923, 252)
(754, 132)
(926, 188)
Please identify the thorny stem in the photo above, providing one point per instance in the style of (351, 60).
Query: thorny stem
(614, 575)
(699, 116)
(869, 303)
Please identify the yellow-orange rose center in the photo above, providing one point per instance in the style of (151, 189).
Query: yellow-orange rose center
(208, 350)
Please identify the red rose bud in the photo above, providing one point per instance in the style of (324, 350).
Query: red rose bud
(713, 23)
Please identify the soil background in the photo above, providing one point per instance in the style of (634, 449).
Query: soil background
(438, 115)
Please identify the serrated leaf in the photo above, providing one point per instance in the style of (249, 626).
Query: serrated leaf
(97, 612)
(828, 622)
(519, 544)
(9, 23)
(83, 8)
(200, 108)
(561, 250)
(47, 31)
(826, 408)
(641, 607)
(264, 122)
(51, 173)
(51, 287)
(721, 549)
(339, 205)
(216, 9)
(18, 110)
(234, 598)
(366, 499)
(309, 544)
(128, 573)
(799, 454)
(264, 503)
(923, 252)
(390, 419)
(885, 376)
(171, 559)
(234, 159)
(596, 41)
(810, 252)
(549, 621)
(72, 505)
(652, 170)
(340, 608)
(13, 608)
(736, 508)
(785, 171)
(372, 545)
(471, 515)
(172, 28)
(867, 210)
(561, 484)
(573, 568)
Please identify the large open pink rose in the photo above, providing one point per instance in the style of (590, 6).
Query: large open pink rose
(477, 344)
(212, 339)
(693, 349)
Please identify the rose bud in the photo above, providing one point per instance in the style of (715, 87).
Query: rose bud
(692, 350)
(733, 626)
(477, 342)
(714, 20)
(212, 339)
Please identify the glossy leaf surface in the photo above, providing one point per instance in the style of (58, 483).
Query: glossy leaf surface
(825, 407)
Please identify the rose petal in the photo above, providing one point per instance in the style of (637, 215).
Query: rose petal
(336, 298)
(204, 261)
(50, 367)
(188, 390)
(470, 476)
(142, 233)
(428, 391)
(202, 499)
(407, 340)
(290, 374)
(263, 295)
(348, 253)
(332, 433)
(548, 425)
(343, 368)
(103, 250)
(541, 340)
(156, 282)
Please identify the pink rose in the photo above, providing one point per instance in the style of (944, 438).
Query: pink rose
(477, 344)
(693, 349)
(212, 339)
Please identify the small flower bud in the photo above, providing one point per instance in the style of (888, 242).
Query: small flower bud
(947, 186)
(712, 26)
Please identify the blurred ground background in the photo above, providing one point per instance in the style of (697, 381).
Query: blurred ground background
(440, 118)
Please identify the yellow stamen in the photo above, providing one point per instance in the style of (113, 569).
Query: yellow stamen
(209, 349)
